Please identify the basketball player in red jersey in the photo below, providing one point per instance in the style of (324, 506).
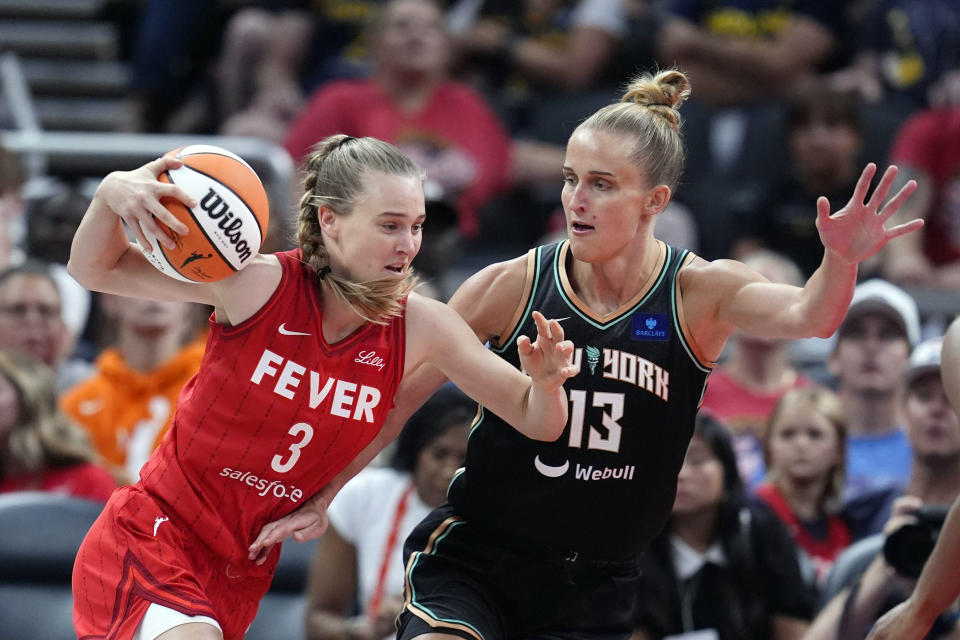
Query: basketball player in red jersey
(305, 355)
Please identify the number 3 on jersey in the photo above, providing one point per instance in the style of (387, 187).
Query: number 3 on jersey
(304, 432)
(596, 440)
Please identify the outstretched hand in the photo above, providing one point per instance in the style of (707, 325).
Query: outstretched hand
(858, 230)
(307, 522)
(548, 360)
(136, 196)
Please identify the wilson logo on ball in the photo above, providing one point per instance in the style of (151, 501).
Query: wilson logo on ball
(228, 225)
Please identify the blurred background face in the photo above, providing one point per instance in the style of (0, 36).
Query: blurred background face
(932, 426)
(149, 317)
(412, 38)
(700, 483)
(437, 463)
(30, 319)
(871, 355)
(824, 149)
(804, 445)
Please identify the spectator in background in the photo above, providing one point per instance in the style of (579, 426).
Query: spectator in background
(276, 52)
(906, 55)
(520, 52)
(745, 387)
(748, 56)
(31, 321)
(40, 449)
(443, 126)
(359, 565)
(825, 137)
(927, 148)
(805, 449)
(722, 565)
(127, 405)
(934, 430)
(868, 360)
(38, 234)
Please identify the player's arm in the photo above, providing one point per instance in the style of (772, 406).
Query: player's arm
(103, 259)
(534, 403)
(729, 296)
(939, 582)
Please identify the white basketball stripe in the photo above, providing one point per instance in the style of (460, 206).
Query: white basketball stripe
(226, 221)
(194, 149)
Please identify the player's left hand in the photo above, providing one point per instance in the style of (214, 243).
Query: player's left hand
(307, 522)
(858, 230)
(549, 359)
(899, 623)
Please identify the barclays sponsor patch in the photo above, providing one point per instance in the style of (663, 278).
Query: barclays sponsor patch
(650, 326)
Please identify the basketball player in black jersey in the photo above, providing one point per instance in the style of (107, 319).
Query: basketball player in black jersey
(540, 540)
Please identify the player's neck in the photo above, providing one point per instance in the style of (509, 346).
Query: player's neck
(608, 285)
(339, 318)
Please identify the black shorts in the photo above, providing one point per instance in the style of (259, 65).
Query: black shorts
(462, 581)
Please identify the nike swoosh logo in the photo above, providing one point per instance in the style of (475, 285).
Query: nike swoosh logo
(287, 332)
(549, 471)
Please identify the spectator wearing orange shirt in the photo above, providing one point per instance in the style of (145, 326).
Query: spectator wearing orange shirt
(127, 405)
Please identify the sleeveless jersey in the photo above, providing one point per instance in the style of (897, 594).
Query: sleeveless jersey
(607, 485)
(272, 415)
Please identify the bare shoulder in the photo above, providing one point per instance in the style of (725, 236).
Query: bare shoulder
(487, 299)
(715, 278)
(245, 292)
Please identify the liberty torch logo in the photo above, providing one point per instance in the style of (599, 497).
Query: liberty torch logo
(593, 357)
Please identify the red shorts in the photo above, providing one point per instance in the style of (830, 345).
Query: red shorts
(136, 554)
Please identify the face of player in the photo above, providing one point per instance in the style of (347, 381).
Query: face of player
(604, 195)
(437, 463)
(381, 236)
(932, 425)
(30, 319)
(700, 483)
(9, 409)
(412, 38)
(871, 355)
(804, 445)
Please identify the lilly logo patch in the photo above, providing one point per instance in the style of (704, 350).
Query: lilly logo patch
(650, 326)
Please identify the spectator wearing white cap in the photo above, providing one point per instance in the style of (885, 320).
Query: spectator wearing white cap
(868, 360)
(934, 431)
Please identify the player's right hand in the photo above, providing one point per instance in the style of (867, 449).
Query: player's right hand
(306, 523)
(136, 196)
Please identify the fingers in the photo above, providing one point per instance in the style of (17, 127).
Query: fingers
(880, 193)
(823, 209)
(543, 327)
(141, 236)
(863, 184)
(163, 163)
(905, 228)
(897, 201)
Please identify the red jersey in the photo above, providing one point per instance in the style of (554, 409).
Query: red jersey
(272, 415)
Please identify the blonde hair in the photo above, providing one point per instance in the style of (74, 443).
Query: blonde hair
(41, 437)
(827, 404)
(648, 112)
(336, 169)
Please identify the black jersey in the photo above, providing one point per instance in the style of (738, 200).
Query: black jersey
(606, 487)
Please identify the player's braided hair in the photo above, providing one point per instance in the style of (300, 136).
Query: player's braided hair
(648, 113)
(335, 172)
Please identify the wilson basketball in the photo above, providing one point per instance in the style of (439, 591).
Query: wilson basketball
(228, 224)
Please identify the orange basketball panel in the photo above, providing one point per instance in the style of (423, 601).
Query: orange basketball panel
(194, 256)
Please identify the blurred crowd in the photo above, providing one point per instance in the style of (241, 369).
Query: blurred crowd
(806, 453)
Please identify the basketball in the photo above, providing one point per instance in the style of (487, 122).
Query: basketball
(228, 225)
